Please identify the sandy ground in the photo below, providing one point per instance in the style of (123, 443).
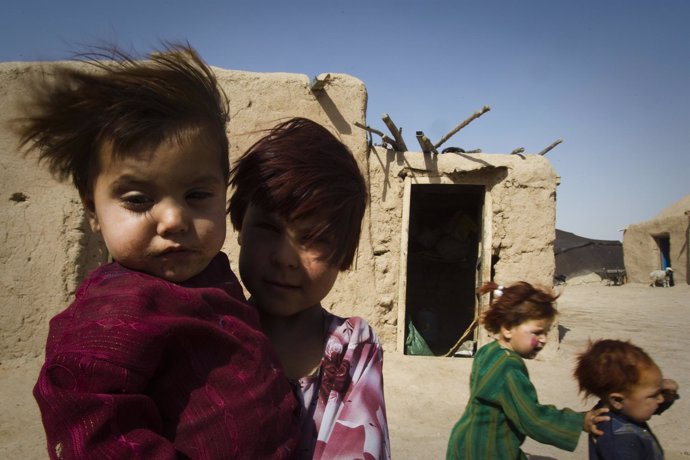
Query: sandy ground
(425, 396)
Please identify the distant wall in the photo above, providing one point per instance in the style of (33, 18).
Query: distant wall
(641, 250)
(47, 247)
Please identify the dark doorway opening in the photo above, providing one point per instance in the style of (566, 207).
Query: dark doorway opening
(443, 257)
(664, 244)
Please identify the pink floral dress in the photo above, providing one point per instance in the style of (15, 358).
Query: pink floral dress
(344, 413)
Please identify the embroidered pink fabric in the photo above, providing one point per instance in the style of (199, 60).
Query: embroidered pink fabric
(138, 367)
(344, 409)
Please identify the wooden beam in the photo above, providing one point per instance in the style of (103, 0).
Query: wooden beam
(394, 131)
(452, 132)
(384, 138)
(425, 143)
(547, 149)
(319, 82)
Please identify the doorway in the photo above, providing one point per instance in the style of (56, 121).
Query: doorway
(443, 269)
(664, 244)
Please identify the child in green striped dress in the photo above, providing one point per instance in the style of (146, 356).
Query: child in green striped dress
(503, 407)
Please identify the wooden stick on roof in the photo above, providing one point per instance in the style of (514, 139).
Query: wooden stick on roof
(425, 143)
(555, 143)
(319, 82)
(452, 132)
(384, 138)
(395, 132)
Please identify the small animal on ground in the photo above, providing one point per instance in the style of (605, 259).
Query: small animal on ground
(662, 277)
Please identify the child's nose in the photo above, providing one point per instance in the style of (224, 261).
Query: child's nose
(285, 253)
(171, 218)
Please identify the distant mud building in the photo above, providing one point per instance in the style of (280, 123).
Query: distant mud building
(659, 243)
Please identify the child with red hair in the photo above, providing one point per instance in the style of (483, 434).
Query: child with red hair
(503, 407)
(628, 382)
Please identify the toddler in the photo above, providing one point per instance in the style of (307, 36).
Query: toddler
(298, 204)
(158, 356)
(503, 407)
(627, 382)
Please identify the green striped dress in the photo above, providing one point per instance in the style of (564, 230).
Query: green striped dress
(503, 409)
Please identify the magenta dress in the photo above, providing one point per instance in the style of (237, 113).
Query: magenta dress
(142, 368)
(344, 409)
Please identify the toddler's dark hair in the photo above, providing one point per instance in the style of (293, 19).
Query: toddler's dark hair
(609, 366)
(301, 170)
(516, 304)
(135, 105)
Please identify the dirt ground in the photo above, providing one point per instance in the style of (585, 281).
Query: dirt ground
(425, 396)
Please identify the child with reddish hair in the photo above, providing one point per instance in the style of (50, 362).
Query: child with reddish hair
(298, 202)
(159, 356)
(503, 407)
(627, 382)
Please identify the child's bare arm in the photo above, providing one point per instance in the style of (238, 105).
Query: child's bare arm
(592, 418)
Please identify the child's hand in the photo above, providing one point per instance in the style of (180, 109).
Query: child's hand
(669, 386)
(669, 390)
(592, 418)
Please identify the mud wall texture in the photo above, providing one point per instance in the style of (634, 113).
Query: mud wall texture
(644, 242)
(47, 247)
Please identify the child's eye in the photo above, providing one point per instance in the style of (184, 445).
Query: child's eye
(321, 243)
(199, 195)
(265, 225)
(137, 201)
(319, 246)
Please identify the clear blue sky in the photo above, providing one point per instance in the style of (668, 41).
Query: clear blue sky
(612, 78)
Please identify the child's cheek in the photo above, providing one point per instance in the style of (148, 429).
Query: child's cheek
(534, 342)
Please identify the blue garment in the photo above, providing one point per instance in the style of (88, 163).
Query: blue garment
(624, 439)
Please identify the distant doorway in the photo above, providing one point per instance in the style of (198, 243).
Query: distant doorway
(664, 244)
(443, 254)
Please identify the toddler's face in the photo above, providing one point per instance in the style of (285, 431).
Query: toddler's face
(528, 338)
(163, 213)
(284, 274)
(641, 401)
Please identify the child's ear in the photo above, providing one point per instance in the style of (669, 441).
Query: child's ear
(90, 209)
(507, 332)
(616, 400)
